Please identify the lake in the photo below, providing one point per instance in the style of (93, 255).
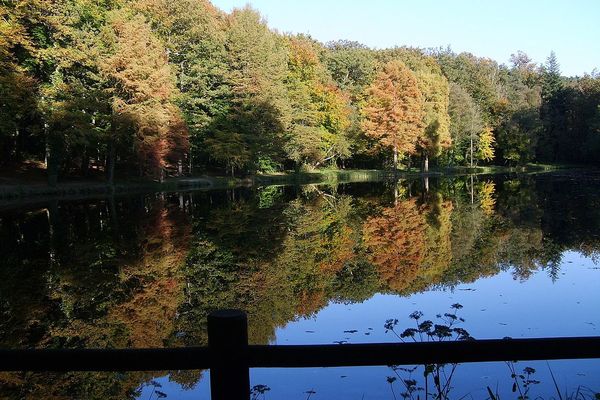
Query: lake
(517, 256)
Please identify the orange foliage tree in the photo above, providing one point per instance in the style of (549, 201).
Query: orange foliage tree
(394, 109)
(149, 314)
(396, 243)
(141, 85)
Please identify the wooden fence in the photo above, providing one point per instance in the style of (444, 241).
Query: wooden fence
(229, 357)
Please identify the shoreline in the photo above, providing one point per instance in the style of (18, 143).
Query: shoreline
(22, 193)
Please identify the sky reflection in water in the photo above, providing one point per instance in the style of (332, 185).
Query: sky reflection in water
(308, 264)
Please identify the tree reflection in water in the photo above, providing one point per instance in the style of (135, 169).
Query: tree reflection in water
(145, 271)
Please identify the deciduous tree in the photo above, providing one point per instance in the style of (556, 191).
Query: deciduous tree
(485, 147)
(436, 135)
(258, 113)
(394, 109)
(140, 83)
(320, 111)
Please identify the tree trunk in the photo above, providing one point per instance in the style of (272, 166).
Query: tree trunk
(110, 163)
(114, 218)
(472, 191)
(425, 162)
(52, 175)
(17, 156)
(85, 163)
(53, 165)
(395, 158)
(111, 156)
(471, 151)
(47, 152)
(53, 226)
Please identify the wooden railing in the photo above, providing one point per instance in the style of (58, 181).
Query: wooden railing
(229, 357)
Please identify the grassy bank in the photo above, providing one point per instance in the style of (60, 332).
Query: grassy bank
(17, 191)
(24, 190)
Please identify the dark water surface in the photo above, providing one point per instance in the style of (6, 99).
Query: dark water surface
(310, 264)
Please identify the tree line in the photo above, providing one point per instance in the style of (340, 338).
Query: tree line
(171, 87)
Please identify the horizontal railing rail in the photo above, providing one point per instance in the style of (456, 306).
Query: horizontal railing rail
(229, 356)
(303, 356)
(356, 355)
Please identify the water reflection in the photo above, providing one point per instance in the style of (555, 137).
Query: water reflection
(144, 271)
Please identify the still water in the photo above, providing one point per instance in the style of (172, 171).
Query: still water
(309, 264)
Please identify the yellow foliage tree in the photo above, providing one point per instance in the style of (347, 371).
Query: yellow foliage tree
(485, 149)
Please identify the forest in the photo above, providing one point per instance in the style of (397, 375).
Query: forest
(159, 88)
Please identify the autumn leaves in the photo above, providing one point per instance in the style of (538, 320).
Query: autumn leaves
(395, 109)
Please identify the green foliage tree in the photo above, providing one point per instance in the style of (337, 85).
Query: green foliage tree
(352, 66)
(436, 135)
(479, 76)
(552, 110)
(318, 130)
(519, 125)
(258, 112)
(193, 33)
(465, 124)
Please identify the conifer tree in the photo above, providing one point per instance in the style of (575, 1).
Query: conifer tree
(193, 33)
(552, 110)
(394, 109)
(141, 85)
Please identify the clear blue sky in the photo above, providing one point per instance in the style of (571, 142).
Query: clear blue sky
(492, 29)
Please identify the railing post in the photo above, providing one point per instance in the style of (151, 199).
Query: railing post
(228, 342)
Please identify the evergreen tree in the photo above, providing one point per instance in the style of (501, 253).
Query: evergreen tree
(552, 110)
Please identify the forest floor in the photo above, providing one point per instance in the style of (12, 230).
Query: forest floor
(28, 182)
